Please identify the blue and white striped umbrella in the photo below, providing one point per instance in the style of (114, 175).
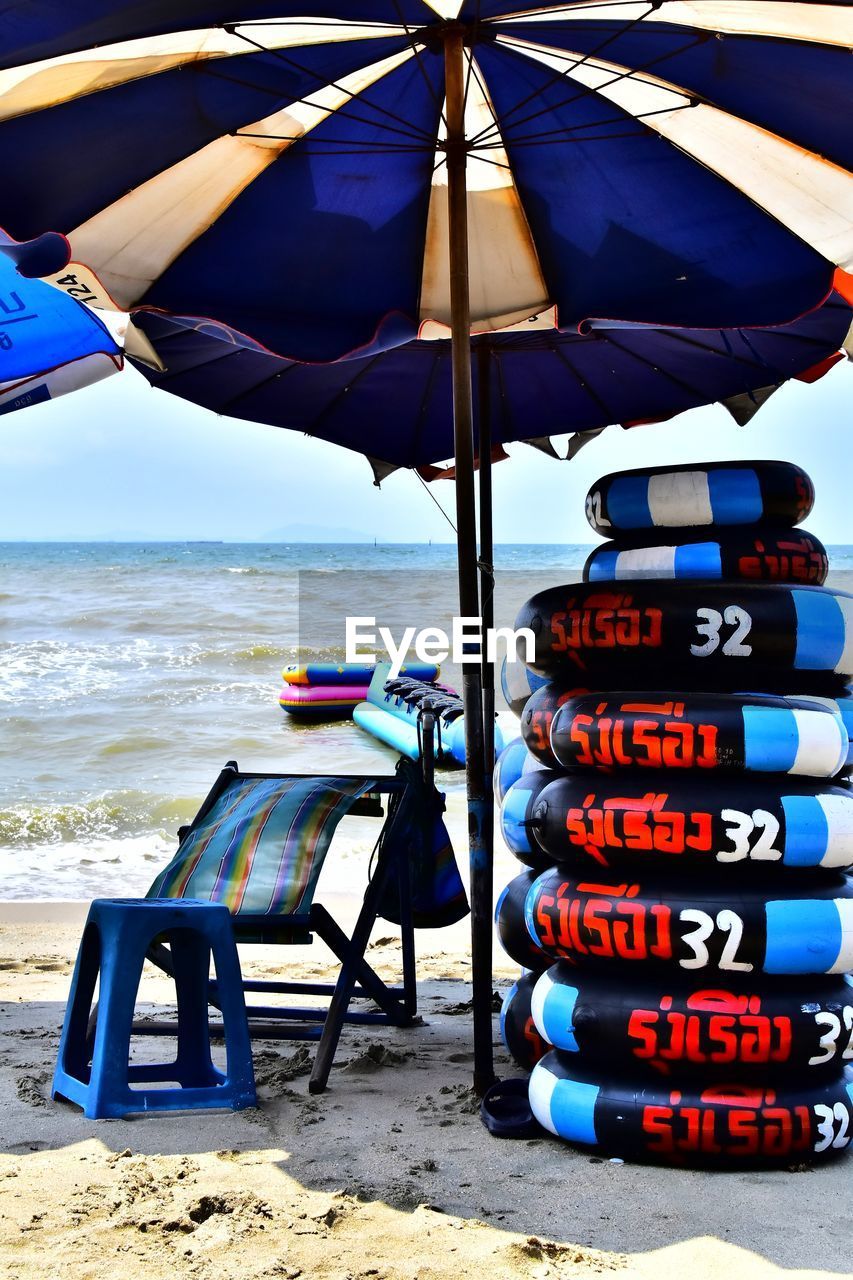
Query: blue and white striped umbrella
(280, 167)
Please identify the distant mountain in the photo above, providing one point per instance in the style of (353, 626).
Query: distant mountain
(317, 533)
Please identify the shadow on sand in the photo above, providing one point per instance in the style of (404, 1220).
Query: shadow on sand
(391, 1164)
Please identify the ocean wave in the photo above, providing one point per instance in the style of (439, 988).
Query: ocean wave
(321, 653)
(51, 670)
(254, 652)
(109, 816)
(260, 652)
(39, 672)
(133, 743)
(90, 868)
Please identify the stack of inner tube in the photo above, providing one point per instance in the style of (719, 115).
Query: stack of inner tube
(680, 798)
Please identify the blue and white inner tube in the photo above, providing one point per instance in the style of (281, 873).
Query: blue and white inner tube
(701, 732)
(744, 1028)
(514, 762)
(679, 823)
(518, 682)
(751, 555)
(650, 634)
(731, 1125)
(685, 926)
(709, 494)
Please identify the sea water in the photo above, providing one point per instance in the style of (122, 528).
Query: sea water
(130, 673)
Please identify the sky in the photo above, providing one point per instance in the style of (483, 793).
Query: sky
(122, 461)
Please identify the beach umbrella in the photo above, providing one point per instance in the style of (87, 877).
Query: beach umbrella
(50, 343)
(337, 174)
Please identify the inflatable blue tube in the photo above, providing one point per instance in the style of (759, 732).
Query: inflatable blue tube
(752, 555)
(538, 716)
(842, 703)
(678, 823)
(754, 733)
(518, 683)
(517, 807)
(511, 928)
(665, 634)
(518, 1030)
(514, 762)
(742, 1028)
(678, 926)
(708, 494)
(731, 1125)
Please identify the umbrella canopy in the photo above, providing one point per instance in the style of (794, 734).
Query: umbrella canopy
(396, 406)
(285, 175)
(49, 342)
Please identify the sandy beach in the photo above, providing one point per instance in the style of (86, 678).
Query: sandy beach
(389, 1174)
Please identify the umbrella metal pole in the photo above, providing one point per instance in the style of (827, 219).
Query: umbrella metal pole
(466, 527)
(487, 602)
(487, 557)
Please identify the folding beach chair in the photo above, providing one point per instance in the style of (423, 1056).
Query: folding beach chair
(258, 844)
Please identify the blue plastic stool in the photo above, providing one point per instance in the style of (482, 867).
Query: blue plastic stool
(118, 933)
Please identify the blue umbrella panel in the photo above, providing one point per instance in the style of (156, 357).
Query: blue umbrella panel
(396, 406)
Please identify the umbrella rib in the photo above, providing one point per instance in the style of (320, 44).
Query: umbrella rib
(655, 368)
(495, 126)
(433, 374)
(486, 159)
(330, 24)
(562, 135)
(470, 64)
(162, 346)
(595, 137)
(759, 361)
(506, 404)
(279, 375)
(339, 395)
(574, 6)
(582, 383)
(213, 69)
(408, 129)
(416, 49)
(367, 151)
(559, 75)
(590, 92)
(470, 58)
(748, 341)
(472, 72)
(747, 338)
(382, 148)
